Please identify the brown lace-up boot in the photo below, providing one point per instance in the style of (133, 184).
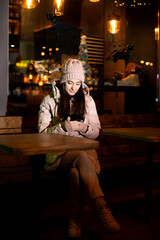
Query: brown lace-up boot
(105, 215)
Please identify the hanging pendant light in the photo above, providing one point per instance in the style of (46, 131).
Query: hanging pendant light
(94, 0)
(58, 7)
(113, 24)
(29, 3)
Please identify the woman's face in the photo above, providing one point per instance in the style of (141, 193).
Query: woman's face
(72, 86)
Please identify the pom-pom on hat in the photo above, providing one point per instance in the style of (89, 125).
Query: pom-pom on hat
(72, 69)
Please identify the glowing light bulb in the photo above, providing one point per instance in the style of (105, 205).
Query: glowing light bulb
(29, 3)
(59, 7)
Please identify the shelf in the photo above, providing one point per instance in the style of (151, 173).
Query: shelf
(14, 11)
(16, 20)
(14, 2)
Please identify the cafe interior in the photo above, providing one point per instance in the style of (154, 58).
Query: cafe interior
(120, 60)
(117, 42)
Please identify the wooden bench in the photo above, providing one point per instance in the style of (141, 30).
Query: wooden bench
(113, 152)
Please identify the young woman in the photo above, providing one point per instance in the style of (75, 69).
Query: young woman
(72, 112)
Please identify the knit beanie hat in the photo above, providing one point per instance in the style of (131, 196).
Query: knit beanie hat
(72, 69)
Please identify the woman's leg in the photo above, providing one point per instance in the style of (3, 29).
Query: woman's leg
(75, 188)
(88, 178)
(69, 164)
(87, 173)
(74, 228)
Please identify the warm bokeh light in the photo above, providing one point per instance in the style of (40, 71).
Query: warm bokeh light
(29, 3)
(22, 64)
(42, 53)
(146, 63)
(142, 62)
(40, 83)
(156, 33)
(42, 75)
(94, 0)
(113, 24)
(113, 27)
(30, 76)
(25, 79)
(45, 78)
(58, 7)
(132, 3)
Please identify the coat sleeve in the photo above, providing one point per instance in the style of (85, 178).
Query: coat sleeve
(45, 116)
(91, 119)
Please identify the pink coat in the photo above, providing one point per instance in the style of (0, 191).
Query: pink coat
(48, 114)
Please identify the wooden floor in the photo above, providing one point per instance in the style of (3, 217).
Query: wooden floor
(124, 190)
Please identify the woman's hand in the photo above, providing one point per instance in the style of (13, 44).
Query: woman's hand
(71, 126)
(79, 126)
(66, 125)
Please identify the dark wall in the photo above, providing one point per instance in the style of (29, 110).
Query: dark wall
(66, 41)
(141, 22)
(72, 12)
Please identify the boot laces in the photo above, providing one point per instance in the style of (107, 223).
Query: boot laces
(106, 214)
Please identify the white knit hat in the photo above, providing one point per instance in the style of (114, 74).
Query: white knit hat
(72, 69)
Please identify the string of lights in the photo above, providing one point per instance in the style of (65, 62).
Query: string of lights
(132, 3)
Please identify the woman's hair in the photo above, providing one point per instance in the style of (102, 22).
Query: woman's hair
(78, 103)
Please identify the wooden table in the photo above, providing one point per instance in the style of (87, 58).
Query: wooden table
(33, 144)
(149, 135)
(36, 145)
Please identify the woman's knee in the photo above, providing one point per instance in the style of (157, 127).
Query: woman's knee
(82, 155)
(83, 160)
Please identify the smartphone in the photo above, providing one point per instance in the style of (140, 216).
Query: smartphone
(76, 117)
